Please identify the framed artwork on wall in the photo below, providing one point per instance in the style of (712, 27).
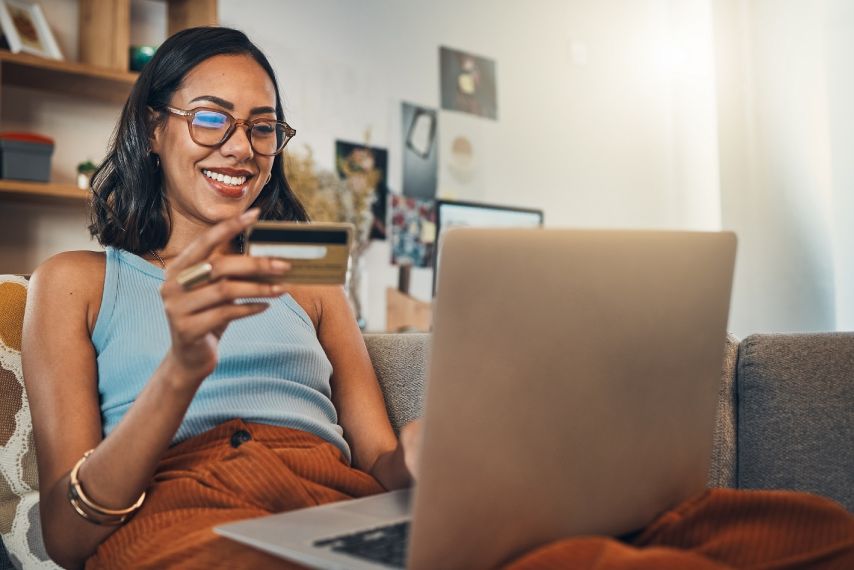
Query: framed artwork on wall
(369, 164)
(420, 151)
(413, 231)
(468, 83)
(26, 29)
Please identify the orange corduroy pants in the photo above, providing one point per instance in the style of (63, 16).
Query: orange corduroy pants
(239, 470)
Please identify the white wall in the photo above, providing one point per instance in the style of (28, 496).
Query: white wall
(612, 113)
(606, 108)
(776, 169)
(840, 88)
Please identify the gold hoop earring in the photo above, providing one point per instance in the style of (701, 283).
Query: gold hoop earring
(269, 177)
(156, 159)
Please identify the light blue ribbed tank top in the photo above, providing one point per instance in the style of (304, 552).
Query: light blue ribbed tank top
(272, 369)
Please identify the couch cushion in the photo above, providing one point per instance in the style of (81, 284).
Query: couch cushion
(20, 526)
(400, 361)
(795, 420)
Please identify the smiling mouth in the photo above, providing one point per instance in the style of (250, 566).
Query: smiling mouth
(228, 180)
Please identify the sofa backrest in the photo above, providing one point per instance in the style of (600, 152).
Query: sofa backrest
(400, 361)
(796, 414)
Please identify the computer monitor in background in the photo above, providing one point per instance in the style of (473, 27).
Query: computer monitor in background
(451, 213)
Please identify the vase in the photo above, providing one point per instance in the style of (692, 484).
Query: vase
(355, 278)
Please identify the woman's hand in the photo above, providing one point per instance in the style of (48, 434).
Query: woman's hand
(410, 440)
(198, 316)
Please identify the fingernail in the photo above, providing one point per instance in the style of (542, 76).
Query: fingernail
(280, 266)
(250, 215)
(277, 289)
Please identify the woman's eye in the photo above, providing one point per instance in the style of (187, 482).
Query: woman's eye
(210, 120)
(264, 128)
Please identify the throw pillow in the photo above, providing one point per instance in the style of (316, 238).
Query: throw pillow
(20, 526)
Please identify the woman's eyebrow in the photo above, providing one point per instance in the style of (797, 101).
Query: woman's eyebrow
(230, 106)
(216, 100)
(261, 110)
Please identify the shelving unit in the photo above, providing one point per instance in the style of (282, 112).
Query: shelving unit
(41, 191)
(102, 73)
(107, 25)
(65, 77)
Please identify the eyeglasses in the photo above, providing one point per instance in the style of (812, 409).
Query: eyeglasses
(211, 128)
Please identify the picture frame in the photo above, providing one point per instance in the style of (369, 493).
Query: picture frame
(26, 30)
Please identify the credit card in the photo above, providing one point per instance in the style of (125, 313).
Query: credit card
(318, 252)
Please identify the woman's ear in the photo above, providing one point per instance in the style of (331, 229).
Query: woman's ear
(156, 124)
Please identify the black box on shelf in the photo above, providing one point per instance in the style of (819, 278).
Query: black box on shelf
(25, 156)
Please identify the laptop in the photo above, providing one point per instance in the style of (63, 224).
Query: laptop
(572, 389)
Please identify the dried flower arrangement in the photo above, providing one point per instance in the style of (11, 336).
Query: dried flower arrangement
(328, 198)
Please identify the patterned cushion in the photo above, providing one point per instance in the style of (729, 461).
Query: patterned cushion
(20, 526)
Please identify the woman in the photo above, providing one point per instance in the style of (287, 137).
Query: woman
(206, 396)
(126, 357)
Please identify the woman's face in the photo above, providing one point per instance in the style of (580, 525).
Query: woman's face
(206, 185)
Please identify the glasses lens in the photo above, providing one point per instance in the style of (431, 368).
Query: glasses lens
(269, 137)
(209, 127)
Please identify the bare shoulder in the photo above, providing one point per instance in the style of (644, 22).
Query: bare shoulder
(72, 281)
(319, 300)
(72, 271)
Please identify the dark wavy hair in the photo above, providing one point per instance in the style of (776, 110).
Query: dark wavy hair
(129, 207)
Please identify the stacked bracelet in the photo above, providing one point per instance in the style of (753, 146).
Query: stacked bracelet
(92, 511)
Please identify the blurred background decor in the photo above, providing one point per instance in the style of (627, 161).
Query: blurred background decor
(26, 29)
(468, 83)
(420, 131)
(413, 231)
(85, 170)
(355, 161)
(139, 56)
(330, 198)
(25, 156)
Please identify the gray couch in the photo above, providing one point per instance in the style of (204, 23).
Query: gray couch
(785, 412)
(785, 417)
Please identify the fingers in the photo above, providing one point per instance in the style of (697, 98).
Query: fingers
(247, 267)
(227, 291)
(202, 248)
(231, 277)
(194, 327)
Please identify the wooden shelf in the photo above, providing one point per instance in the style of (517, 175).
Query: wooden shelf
(42, 191)
(65, 77)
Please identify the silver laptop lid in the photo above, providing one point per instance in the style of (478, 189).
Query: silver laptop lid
(573, 385)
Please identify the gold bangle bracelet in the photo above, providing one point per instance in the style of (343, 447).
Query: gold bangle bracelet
(80, 508)
(75, 493)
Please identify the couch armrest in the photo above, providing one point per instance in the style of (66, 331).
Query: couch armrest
(722, 469)
(400, 361)
(795, 420)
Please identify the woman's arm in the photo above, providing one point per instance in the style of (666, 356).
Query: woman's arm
(60, 373)
(356, 393)
(61, 379)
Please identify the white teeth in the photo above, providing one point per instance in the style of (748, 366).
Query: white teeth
(224, 178)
